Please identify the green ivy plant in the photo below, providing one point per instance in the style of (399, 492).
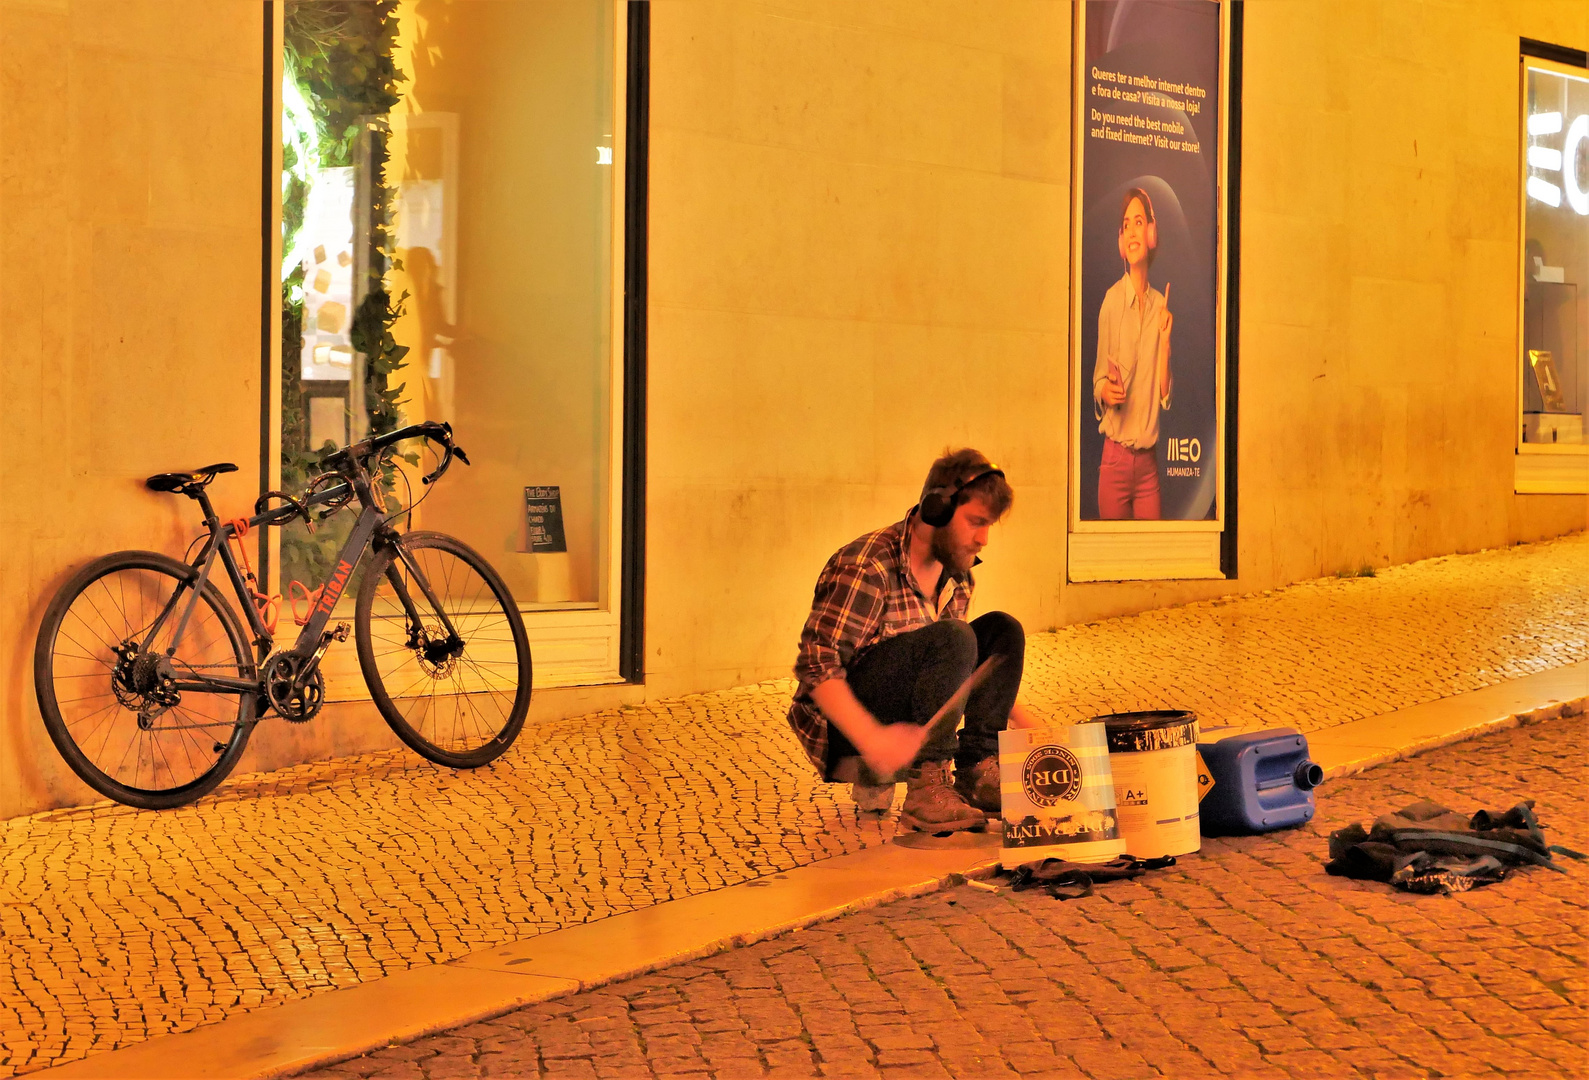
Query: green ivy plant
(339, 66)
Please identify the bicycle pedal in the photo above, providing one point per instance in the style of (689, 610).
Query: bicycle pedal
(336, 633)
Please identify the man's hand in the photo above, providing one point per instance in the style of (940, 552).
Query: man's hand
(893, 748)
(886, 748)
(1021, 717)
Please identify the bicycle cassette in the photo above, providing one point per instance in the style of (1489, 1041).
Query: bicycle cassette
(294, 686)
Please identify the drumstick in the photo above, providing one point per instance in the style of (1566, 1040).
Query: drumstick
(959, 697)
(945, 712)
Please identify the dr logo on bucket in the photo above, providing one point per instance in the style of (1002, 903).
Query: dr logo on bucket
(1051, 774)
(1058, 796)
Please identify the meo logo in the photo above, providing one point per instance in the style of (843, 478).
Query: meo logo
(1568, 161)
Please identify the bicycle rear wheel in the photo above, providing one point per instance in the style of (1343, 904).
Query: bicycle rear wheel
(112, 714)
(458, 701)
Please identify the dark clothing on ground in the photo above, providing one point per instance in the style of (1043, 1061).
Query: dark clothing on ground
(906, 678)
(1427, 848)
(1065, 880)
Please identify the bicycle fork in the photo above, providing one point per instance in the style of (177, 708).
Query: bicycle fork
(434, 652)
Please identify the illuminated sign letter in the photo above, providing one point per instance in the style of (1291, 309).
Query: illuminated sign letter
(1576, 195)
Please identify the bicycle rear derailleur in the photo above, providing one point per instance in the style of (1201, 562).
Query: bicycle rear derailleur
(294, 685)
(144, 682)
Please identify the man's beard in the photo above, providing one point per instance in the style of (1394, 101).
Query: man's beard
(953, 559)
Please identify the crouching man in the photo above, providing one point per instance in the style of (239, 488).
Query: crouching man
(887, 644)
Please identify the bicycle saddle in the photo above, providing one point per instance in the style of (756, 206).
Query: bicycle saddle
(178, 481)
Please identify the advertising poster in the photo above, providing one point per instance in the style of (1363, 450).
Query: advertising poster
(1147, 266)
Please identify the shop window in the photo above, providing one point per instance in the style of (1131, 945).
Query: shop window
(447, 219)
(1554, 331)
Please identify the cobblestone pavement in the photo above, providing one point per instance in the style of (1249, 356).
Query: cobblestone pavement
(1326, 652)
(118, 925)
(1243, 960)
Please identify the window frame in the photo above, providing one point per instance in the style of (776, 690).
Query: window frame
(1539, 468)
(587, 646)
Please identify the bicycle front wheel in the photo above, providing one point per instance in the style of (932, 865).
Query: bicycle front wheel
(443, 649)
(119, 701)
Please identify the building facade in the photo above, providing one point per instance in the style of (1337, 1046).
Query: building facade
(857, 251)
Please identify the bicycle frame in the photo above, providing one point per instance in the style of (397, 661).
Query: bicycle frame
(370, 525)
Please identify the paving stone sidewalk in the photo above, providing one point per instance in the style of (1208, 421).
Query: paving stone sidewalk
(118, 925)
(1244, 960)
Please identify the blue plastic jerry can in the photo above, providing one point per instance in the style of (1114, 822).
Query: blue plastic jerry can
(1262, 781)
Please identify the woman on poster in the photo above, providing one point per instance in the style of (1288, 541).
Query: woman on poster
(1131, 379)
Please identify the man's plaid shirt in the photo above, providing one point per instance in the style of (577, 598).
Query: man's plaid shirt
(865, 594)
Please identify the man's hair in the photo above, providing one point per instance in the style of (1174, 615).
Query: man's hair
(953, 466)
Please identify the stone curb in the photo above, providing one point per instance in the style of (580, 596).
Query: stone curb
(1543, 714)
(735, 941)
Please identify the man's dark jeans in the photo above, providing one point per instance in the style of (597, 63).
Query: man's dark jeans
(905, 679)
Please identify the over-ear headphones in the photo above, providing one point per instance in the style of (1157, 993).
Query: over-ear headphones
(1152, 236)
(938, 504)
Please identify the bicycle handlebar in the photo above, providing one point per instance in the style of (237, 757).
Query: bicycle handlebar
(341, 460)
(294, 508)
(429, 429)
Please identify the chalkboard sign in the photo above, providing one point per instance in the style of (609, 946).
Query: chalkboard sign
(543, 513)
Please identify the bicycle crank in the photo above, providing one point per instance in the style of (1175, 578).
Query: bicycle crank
(293, 683)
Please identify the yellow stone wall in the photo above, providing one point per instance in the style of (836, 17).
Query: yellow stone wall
(859, 230)
(129, 302)
(859, 218)
(1379, 283)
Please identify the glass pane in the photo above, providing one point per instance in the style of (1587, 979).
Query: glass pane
(1555, 257)
(447, 204)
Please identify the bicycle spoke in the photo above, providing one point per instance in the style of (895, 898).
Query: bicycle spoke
(157, 755)
(91, 659)
(120, 609)
(425, 679)
(110, 729)
(86, 649)
(85, 697)
(102, 715)
(485, 678)
(115, 640)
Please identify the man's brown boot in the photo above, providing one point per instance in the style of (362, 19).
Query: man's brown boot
(979, 785)
(933, 806)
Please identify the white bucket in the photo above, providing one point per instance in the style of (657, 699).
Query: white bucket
(1057, 795)
(1153, 756)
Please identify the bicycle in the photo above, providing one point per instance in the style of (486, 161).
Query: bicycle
(140, 655)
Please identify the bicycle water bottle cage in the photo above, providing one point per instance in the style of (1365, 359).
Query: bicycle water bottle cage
(185, 481)
(298, 592)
